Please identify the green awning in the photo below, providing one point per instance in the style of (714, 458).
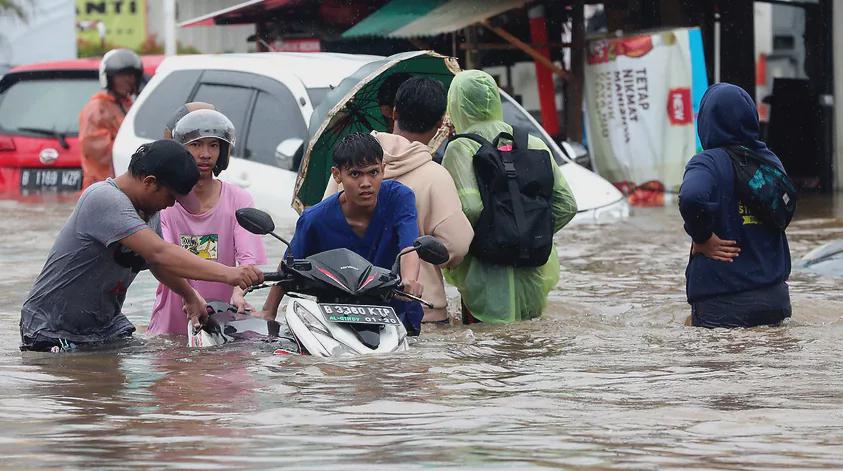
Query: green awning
(391, 17)
(418, 18)
(454, 15)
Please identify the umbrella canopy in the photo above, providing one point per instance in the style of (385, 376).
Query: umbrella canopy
(353, 107)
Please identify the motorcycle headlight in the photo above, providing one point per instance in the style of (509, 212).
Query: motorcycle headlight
(309, 319)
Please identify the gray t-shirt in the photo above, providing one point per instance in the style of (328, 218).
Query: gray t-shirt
(80, 292)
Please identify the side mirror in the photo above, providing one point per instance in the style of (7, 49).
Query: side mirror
(431, 250)
(258, 222)
(285, 153)
(577, 153)
(254, 220)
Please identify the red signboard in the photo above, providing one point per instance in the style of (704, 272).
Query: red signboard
(297, 45)
(679, 109)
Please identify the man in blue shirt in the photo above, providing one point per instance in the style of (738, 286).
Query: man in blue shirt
(374, 218)
(737, 272)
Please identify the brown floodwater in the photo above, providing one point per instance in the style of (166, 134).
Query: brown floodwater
(609, 377)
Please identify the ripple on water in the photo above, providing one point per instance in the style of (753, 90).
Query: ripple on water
(609, 377)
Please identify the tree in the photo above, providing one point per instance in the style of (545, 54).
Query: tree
(12, 7)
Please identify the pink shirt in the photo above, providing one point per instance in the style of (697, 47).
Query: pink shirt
(212, 235)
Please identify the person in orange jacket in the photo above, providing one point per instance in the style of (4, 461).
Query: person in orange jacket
(120, 73)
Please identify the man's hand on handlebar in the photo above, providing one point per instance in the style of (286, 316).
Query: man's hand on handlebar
(244, 276)
(412, 287)
(196, 310)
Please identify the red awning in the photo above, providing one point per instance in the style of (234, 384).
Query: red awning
(242, 13)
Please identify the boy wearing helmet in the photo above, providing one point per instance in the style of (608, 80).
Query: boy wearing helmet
(121, 72)
(204, 224)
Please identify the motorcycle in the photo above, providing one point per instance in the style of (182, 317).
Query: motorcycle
(337, 302)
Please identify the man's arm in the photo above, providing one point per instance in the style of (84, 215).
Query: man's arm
(407, 227)
(454, 230)
(171, 260)
(273, 300)
(299, 248)
(695, 199)
(410, 274)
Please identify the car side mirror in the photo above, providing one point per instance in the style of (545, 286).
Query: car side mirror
(577, 153)
(431, 250)
(255, 221)
(285, 153)
(583, 161)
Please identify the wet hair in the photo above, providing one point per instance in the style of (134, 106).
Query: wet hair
(169, 162)
(420, 104)
(389, 87)
(357, 150)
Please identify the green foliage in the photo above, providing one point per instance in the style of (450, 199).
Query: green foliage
(149, 47)
(13, 7)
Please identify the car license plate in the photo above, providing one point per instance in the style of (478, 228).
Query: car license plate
(50, 179)
(360, 314)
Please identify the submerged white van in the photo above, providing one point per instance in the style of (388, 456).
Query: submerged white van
(270, 96)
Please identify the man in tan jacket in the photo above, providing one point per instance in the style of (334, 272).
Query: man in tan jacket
(418, 112)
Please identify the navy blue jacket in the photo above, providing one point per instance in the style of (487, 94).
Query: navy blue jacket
(709, 205)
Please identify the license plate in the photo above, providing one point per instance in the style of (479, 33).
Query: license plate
(360, 314)
(50, 179)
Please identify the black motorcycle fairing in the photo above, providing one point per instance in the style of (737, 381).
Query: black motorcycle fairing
(345, 271)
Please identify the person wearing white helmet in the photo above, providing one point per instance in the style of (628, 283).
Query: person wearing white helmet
(204, 223)
(120, 73)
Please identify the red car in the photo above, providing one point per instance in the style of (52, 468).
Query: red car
(39, 124)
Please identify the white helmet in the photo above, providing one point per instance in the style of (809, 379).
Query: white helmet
(207, 123)
(119, 60)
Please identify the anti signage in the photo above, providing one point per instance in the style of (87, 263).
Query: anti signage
(641, 94)
(117, 23)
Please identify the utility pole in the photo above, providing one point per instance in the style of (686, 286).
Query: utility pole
(169, 27)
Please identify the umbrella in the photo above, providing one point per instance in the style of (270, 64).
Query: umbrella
(353, 107)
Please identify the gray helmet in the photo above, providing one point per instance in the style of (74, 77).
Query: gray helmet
(207, 123)
(120, 60)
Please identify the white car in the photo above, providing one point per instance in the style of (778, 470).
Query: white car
(269, 97)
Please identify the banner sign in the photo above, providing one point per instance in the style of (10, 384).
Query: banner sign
(117, 23)
(297, 45)
(641, 95)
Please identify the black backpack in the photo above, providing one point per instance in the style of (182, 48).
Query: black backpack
(515, 227)
(767, 191)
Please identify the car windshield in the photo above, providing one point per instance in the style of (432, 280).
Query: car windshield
(317, 95)
(45, 104)
(514, 116)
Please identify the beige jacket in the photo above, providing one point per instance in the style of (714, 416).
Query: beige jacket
(438, 206)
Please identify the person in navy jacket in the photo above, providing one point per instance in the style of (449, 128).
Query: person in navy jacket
(737, 271)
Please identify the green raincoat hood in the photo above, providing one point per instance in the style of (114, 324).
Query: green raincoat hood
(473, 98)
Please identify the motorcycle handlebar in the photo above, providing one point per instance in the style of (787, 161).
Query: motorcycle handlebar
(414, 298)
(273, 276)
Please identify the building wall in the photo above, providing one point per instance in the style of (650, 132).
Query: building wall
(207, 39)
(47, 34)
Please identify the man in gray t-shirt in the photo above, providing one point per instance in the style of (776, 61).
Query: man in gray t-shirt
(112, 235)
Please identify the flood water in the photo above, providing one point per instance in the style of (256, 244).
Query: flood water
(609, 378)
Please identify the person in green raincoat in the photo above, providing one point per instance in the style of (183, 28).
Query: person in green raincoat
(495, 293)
